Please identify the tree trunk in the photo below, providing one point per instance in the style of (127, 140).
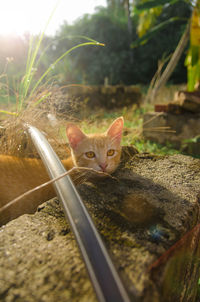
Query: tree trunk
(172, 63)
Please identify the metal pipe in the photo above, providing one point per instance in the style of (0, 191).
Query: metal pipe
(104, 277)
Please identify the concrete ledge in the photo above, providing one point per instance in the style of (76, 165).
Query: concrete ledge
(141, 213)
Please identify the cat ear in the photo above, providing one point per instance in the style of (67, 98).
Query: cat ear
(115, 129)
(75, 135)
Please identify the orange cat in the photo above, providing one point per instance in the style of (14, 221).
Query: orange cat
(100, 152)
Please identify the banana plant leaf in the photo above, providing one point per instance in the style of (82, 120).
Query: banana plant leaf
(151, 4)
(153, 31)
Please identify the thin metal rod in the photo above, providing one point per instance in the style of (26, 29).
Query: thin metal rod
(102, 272)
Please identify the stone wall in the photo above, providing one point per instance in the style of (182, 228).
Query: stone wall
(76, 100)
(107, 96)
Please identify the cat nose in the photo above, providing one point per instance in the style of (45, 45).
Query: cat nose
(103, 166)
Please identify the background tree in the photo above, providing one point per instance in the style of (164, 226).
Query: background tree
(193, 58)
(148, 12)
(93, 65)
(117, 61)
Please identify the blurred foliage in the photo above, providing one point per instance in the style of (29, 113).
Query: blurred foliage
(193, 57)
(116, 63)
(148, 12)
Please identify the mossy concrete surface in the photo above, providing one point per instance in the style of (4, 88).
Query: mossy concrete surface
(148, 205)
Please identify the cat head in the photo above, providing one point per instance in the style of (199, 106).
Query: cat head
(100, 152)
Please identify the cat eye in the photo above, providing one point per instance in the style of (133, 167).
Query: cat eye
(90, 154)
(110, 152)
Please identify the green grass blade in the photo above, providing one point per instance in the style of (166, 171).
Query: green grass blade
(63, 38)
(60, 58)
(29, 53)
(41, 99)
(31, 61)
(8, 112)
(22, 86)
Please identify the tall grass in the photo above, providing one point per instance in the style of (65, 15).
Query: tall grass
(28, 84)
(27, 95)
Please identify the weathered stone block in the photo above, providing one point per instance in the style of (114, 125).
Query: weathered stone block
(189, 101)
(106, 96)
(165, 127)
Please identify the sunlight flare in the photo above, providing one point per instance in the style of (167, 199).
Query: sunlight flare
(19, 17)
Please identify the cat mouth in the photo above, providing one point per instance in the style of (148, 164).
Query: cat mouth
(105, 172)
(102, 172)
(103, 167)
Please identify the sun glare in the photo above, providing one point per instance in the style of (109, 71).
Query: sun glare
(20, 16)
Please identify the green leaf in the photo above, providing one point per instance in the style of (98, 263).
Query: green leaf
(188, 58)
(152, 4)
(193, 75)
(153, 31)
(195, 54)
